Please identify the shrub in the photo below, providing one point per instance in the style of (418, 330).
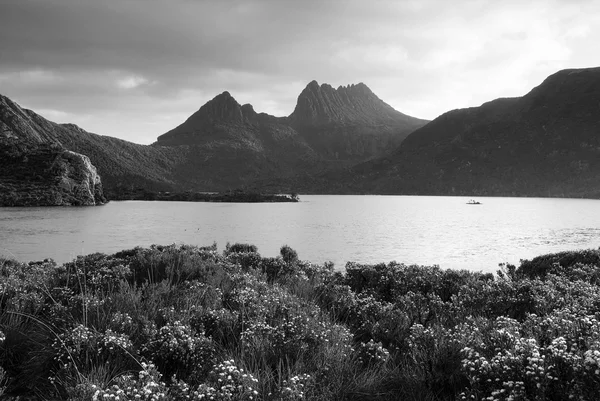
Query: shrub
(177, 350)
(288, 254)
(541, 266)
(240, 248)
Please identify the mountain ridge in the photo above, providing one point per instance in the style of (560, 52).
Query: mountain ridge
(544, 143)
(316, 105)
(221, 146)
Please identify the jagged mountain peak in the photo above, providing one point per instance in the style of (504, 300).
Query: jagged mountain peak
(355, 89)
(354, 103)
(318, 105)
(313, 84)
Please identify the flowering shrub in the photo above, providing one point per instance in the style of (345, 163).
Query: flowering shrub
(222, 325)
(227, 382)
(122, 322)
(371, 353)
(82, 349)
(386, 331)
(295, 388)
(176, 349)
(95, 273)
(147, 386)
(505, 364)
(246, 260)
(286, 339)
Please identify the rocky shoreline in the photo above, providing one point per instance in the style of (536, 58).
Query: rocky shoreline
(237, 196)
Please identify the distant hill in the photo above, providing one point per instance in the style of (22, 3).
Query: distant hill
(546, 143)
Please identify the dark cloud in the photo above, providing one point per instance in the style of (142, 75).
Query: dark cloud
(135, 68)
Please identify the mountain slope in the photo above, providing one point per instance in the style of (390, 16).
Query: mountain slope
(546, 143)
(118, 162)
(35, 170)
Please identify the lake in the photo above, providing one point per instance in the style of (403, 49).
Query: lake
(370, 229)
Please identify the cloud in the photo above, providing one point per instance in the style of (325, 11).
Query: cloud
(136, 68)
(131, 82)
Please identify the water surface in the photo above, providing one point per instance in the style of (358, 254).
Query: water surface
(410, 229)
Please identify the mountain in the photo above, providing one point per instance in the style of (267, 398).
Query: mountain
(327, 127)
(545, 143)
(234, 146)
(350, 122)
(226, 145)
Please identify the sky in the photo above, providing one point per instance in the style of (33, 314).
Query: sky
(135, 69)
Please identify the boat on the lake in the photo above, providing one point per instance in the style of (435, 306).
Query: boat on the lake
(473, 202)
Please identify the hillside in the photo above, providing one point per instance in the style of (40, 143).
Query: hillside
(545, 143)
(119, 163)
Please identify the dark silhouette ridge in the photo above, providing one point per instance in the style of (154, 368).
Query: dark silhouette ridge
(544, 143)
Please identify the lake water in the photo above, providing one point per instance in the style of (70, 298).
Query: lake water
(370, 229)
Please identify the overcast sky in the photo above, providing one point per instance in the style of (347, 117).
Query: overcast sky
(136, 68)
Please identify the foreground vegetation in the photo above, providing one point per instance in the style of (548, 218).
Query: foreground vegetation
(189, 323)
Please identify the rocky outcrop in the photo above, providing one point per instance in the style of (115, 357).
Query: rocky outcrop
(47, 175)
(80, 178)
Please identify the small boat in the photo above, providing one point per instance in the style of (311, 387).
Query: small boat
(473, 202)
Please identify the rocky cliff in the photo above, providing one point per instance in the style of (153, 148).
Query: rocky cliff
(46, 175)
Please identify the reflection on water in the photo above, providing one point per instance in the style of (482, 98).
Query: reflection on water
(368, 229)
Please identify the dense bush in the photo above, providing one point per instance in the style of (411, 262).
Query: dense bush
(183, 322)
